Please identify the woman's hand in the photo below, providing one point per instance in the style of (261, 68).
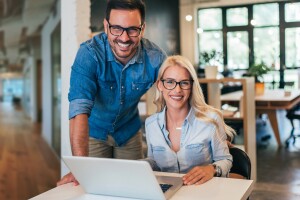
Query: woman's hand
(68, 178)
(199, 175)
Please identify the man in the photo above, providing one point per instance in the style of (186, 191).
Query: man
(109, 75)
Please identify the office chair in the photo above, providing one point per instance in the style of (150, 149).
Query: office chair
(291, 115)
(241, 163)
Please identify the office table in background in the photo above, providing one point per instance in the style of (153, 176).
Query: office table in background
(269, 103)
(215, 189)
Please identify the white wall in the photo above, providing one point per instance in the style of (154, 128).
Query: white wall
(188, 34)
(75, 29)
(48, 28)
(29, 100)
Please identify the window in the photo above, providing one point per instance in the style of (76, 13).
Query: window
(254, 33)
(292, 12)
(210, 30)
(292, 48)
(237, 16)
(238, 50)
(266, 34)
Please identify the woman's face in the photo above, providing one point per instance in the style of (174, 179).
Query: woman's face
(178, 97)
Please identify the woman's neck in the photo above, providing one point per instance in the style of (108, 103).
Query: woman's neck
(177, 116)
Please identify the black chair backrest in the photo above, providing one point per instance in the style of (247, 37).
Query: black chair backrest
(241, 163)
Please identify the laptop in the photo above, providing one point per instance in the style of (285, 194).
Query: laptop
(122, 178)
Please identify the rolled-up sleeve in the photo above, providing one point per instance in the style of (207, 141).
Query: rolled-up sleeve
(83, 83)
(80, 106)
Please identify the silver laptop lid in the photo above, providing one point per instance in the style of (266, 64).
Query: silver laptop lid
(115, 177)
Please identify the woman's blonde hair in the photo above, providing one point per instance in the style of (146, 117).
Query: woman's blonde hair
(196, 99)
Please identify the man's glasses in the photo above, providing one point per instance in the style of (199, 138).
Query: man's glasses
(170, 84)
(131, 31)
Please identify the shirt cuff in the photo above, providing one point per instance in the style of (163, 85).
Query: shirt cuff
(80, 106)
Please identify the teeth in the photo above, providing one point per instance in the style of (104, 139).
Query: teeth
(176, 97)
(123, 45)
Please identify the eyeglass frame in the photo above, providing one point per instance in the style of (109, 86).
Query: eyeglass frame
(125, 29)
(177, 83)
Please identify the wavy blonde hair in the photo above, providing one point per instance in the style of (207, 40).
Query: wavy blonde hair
(196, 99)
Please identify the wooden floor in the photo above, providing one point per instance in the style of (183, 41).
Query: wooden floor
(28, 166)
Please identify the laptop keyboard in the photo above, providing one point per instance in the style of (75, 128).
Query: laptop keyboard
(165, 187)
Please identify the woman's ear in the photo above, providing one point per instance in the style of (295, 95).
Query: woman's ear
(159, 85)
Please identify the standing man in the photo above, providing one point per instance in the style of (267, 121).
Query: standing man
(109, 75)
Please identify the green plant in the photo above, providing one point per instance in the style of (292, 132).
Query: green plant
(210, 58)
(258, 70)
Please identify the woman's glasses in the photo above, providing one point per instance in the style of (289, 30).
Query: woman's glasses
(170, 84)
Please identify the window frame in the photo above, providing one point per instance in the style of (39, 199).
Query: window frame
(283, 25)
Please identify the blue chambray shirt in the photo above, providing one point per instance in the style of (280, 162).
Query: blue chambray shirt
(200, 144)
(109, 92)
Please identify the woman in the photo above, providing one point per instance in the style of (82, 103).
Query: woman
(186, 135)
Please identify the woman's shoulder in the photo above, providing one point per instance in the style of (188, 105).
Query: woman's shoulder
(151, 119)
(155, 118)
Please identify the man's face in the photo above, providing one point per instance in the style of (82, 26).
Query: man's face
(124, 47)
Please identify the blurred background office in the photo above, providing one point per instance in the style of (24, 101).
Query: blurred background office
(39, 40)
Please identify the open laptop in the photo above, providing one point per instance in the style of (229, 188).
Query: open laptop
(123, 178)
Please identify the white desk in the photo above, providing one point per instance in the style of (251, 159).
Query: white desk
(215, 189)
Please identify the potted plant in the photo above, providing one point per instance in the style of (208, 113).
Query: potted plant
(258, 70)
(210, 60)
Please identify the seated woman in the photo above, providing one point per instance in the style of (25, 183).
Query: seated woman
(186, 135)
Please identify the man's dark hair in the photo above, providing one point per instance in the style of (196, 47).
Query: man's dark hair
(126, 5)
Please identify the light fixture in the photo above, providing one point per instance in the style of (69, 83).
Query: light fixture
(253, 22)
(189, 18)
(199, 30)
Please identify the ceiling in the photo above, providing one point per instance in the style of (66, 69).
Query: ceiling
(21, 22)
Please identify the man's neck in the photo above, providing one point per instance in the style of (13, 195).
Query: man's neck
(124, 61)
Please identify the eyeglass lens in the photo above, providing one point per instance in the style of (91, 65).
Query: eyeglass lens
(170, 84)
(118, 31)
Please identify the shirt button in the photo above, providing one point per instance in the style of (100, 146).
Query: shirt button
(121, 102)
(111, 87)
(137, 88)
(122, 87)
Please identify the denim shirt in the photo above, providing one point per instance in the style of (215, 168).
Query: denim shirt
(109, 92)
(200, 144)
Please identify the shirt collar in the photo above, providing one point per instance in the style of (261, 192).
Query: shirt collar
(190, 118)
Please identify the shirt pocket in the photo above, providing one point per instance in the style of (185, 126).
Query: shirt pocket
(160, 157)
(108, 91)
(197, 154)
(138, 89)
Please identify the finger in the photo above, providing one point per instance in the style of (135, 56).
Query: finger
(190, 175)
(197, 178)
(68, 178)
(76, 182)
(193, 178)
(203, 180)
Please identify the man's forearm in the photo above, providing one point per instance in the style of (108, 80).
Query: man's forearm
(79, 135)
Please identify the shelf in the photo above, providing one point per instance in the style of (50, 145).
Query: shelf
(245, 102)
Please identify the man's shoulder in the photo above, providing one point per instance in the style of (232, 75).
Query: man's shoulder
(154, 53)
(98, 40)
(150, 46)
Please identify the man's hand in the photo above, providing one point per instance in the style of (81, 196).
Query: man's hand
(199, 175)
(68, 178)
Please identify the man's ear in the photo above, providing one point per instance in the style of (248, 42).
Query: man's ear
(105, 24)
(143, 29)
